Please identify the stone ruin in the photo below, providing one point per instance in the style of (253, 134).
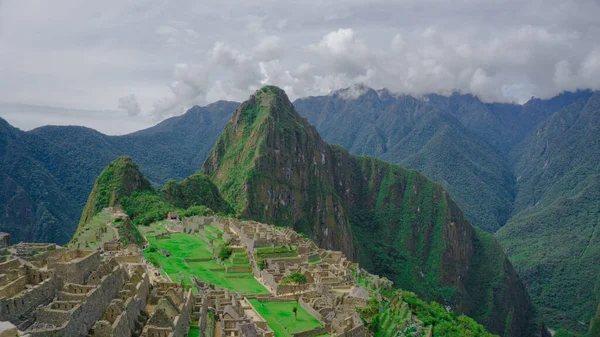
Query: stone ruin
(50, 291)
(70, 292)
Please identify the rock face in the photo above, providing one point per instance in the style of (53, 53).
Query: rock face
(120, 178)
(272, 166)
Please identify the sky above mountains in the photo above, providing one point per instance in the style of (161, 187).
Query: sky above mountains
(142, 61)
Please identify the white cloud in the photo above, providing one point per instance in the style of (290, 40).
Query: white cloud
(172, 55)
(130, 105)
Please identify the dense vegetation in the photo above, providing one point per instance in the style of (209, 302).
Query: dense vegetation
(458, 141)
(122, 184)
(553, 235)
(196, 189)
(47, 174)
(119, 179)
(395, 222)
(533, 167)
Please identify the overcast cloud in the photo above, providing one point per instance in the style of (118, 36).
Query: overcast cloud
(153, 59)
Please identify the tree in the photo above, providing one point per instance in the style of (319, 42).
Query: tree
(295, 310)
(297, 280)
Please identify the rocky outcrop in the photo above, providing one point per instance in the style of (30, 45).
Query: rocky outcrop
(272, 166)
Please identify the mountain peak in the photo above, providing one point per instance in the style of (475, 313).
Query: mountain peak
(273, 167)
(354, 91)
(120, 178)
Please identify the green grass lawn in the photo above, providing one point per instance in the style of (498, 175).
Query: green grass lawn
(183, 246)
(280, 317)
(194, 332)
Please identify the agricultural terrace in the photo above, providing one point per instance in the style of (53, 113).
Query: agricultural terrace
(94, 233)
(280, 317)
(172, 251)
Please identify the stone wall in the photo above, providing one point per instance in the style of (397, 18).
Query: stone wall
(182, 322)
(82, 317)
(75, 266)
(8, 265)
(25, 302)
(124, 324)
(313, 332)
(310, 309)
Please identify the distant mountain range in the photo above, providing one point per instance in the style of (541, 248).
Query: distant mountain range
(529, 172)
(47, 173)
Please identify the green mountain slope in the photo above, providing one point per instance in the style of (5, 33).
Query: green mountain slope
(47, 173)
(553, 235)
(119, 179)
(121, 185)
(416, 134)
(273, 166)
(33, 203)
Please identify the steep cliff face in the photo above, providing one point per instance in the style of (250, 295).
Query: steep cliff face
(272, 166)
(119, 179)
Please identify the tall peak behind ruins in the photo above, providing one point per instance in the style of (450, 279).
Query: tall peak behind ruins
(272, 166)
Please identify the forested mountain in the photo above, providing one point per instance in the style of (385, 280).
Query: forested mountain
(553, 234)
(458, 141)
(531, 167)
(48, 173)
(272, 166)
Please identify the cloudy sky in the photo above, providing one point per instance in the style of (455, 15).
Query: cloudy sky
(121, 65)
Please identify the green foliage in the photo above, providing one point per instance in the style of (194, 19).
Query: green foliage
(444, 323)
(146, 207)
(50, 171)
(195, 190)
(224, 252)
(196, 211)
(294, 278)
(119, 179)
(553, 237)
(369, 312)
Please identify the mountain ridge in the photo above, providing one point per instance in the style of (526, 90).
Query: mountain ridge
(349, 203)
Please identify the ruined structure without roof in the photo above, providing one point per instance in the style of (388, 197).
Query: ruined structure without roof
(51, 291)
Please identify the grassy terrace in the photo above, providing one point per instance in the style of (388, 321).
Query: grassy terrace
(88, 234)
(187, 246)
(280, 317)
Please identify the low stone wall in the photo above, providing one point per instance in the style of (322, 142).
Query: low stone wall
(359, 331)
(197, 259)
(274, 256)
(310, 310)
(313, 332)
(236, 276)
(8, 265)
(13, 287)
(238, 269)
